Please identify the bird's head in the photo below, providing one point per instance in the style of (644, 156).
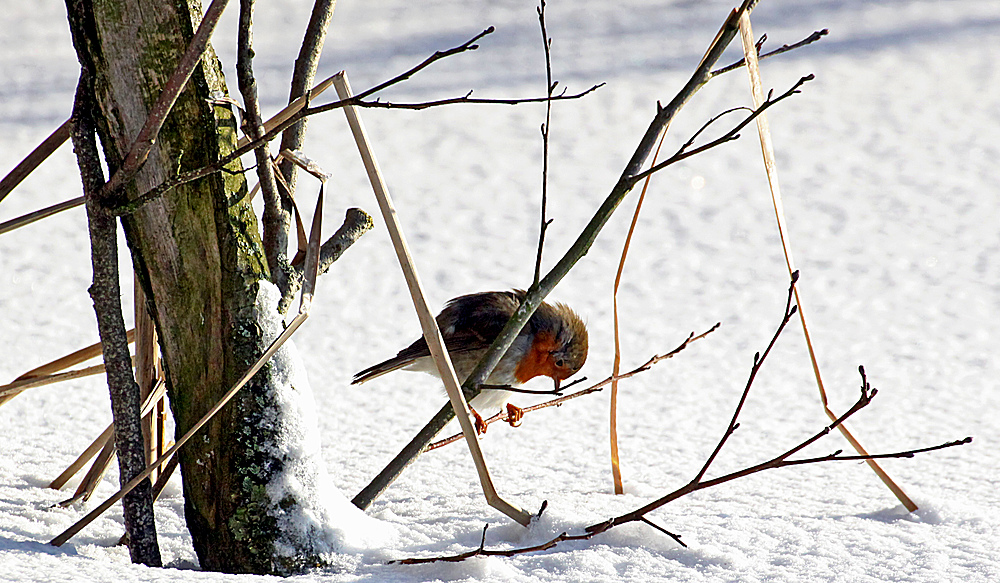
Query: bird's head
(560, 345)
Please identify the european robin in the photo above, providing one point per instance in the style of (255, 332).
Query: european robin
(553, 343)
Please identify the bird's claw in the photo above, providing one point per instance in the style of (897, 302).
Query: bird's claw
(514, 415)
(480, 422)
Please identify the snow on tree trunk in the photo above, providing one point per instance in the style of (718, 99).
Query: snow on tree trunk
(313, 519)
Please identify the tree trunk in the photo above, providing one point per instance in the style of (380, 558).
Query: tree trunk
(199, 259)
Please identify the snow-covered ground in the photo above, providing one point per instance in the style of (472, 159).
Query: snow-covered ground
(888, 163)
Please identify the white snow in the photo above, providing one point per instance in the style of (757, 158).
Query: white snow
(888, 167)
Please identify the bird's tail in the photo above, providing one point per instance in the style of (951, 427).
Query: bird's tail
(380, 369)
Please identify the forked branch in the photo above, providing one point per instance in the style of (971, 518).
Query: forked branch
(699, 483)
(732, 134)
(815, 36)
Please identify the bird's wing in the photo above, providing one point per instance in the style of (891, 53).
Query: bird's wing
(468, 323)
(474, 321)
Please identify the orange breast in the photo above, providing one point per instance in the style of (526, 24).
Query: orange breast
(537, 361)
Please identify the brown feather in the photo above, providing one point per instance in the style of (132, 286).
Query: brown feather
(471, 322)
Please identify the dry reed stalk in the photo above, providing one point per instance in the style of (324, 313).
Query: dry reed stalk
(146, 373)
(753, 69)
(616, 472)
(93, 476)
(427, 322)
(15, 388)
(44, 374)
(291, 109)
(166, 470)
(34, 159)
(155, 398)
(94, 447)
(298, 158)
(27, 219)
(70, 359)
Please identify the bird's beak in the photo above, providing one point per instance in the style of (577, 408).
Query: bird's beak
(556, 382)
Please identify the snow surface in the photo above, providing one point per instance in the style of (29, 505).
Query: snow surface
(888, 167)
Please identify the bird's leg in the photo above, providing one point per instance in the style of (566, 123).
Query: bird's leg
(514, 414)
(480, 423)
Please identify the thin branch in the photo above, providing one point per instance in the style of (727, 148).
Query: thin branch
(524, 391)
(302, 79)
(676, 537)
(836, 456)
(467, 98)
(783, 49)
(758, 362)
(482, 551)
(549, 88)
(276, 220)
(502, 416)
(708, 123)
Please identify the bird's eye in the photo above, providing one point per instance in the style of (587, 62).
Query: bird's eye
(560, 362)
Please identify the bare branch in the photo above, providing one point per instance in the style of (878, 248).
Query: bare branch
(758, 361)
(302, 79)
(705, 126)
(783, 49)
(276, 220)
(676, 537)
(463, 99)
(729, 136)
(482, 551)
(502, 416)
(549, 88)
(698, 483)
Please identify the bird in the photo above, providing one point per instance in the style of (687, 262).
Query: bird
(553, 343)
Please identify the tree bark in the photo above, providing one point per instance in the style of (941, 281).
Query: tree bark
(199, 259)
